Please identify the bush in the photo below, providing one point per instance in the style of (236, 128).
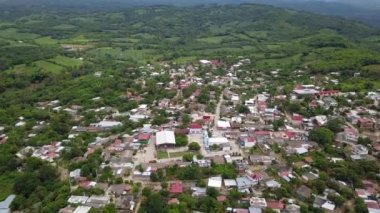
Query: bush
(181, 140)
(188, 157)
(194, 146)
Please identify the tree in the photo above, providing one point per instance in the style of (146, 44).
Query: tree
(110, 208)
(338, 200)
(364, 141)
(242, 109)
(322, 136)
(155, 204)
(360, 206)
(186, 119)
(194, 146)
(188, 157)
(181, 140)
(212, 192)
(334, 125)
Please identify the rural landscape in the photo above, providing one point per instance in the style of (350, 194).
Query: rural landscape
(241, 108)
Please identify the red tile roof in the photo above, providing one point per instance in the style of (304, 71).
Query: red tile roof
(195, 126)
(275, 205)
(176, 188)
(143, 136)
(221, 198)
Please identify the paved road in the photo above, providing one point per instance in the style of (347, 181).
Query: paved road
(218, 133)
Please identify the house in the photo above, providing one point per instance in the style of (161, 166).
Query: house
(221, 198)
(275, 205)
(97, 201)
(82, 209)
(303, 192)
(310, 176)
(359, 150)
(292, 208)
(77, 199)
(165, 138)
(173, 201)
(351, 134)
(254, 210)
(261, 159)
(328, 206)
(245, 183)
(119, 189)
(247, 142)
(272, 184)
(329, 102)
(362, 193)
(198, 191)
(217, 141)
(365, 123)
(230, 183)
(107, 125)
(223, 125)
(328, 93)
(195, 129)
(215, 182)
(297, 119)
(176, 188)
(258, 202)
(373, 206)
(262, 135)
(144, 138)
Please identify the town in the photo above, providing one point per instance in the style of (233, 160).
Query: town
(221, 137)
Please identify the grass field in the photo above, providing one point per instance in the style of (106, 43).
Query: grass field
(180, 154)
(45, 41)
(48, 66)
(162, 154)
(22, 69)
(64, 27)
(80, 39)
(141, 56)
(66, 61)
(214, 39)
(12, 33)
(6, 185)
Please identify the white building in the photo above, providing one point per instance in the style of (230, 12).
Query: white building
(82, 209)
(164, 138)
(218, 141)
(107, 125)
(215, 182)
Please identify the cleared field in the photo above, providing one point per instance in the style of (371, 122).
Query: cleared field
(80, 39)
(48, 66)
(162, 154)
(214, 39)
(116, 53)
(12, 33)
(45, 41)
(22, 69)
(66, 61)
(64, 27)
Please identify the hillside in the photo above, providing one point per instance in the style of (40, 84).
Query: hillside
(78, 75)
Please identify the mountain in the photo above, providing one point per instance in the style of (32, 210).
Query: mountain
(367, 11)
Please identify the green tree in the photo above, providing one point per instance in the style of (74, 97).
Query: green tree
(360, 206)
(188, 157)
(181, 140)
(194, 146)
(322, 136)
(334, 125)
